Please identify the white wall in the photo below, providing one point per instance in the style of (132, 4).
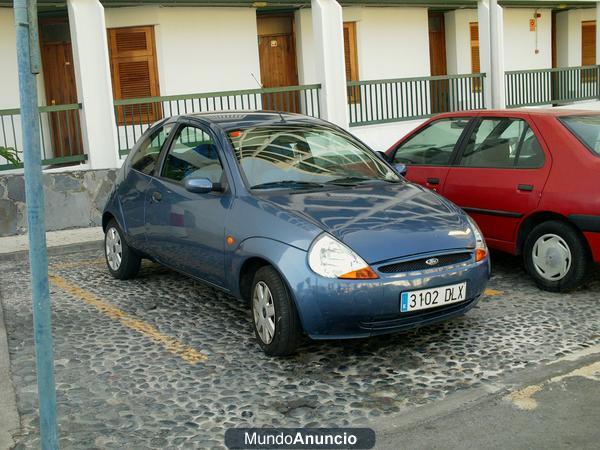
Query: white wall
(458, 40)
(520, 43)
(198, 49)
(305, 47)
(9, 87)
(391, 42)
(381, 137)
(568, 35)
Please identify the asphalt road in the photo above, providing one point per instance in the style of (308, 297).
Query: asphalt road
(547, 407)
(165, 362)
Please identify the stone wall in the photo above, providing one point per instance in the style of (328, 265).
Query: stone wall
(73, 200)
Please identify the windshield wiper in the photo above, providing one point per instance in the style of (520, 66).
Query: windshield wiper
(353, 181)
(292, 184)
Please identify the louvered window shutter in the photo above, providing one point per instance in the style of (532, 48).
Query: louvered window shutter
(134, 72)
(351, 59)
(475, 65)
(588, 50)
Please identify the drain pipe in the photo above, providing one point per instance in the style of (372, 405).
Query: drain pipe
(28, 59)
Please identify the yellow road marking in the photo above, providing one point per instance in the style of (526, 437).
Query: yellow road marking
(491, 292)
(188, 354)
(523, 398)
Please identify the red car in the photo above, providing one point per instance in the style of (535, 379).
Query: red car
(530, 179)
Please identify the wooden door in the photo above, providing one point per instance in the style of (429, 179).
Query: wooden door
(437, 58)
(277, 54)
(588, 50)
(59, 83)
(588, 43)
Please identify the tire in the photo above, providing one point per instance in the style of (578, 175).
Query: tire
(557, 257)
(122, 261)
(285, 337)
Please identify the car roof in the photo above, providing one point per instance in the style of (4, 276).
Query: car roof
(232, 120)
(553, 112)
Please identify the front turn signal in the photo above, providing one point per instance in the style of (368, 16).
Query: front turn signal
(366, 273)
(480, 254)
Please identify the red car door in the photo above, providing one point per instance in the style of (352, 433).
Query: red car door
(428, 152)
(499, 176)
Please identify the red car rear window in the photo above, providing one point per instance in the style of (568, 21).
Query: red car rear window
(586, 129)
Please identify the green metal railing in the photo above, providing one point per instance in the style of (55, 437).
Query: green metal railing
(551, 86)
(134, 116)
(381, 101)
(60, 134)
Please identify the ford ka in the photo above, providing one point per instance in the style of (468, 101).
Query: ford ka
(317, 232)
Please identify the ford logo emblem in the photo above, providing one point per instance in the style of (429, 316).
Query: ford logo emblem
(432, 261)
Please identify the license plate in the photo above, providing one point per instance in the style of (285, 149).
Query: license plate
(432, 298)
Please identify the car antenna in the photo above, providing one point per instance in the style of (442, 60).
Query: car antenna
(261, 86)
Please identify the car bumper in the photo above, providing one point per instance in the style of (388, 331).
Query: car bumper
(340, 309)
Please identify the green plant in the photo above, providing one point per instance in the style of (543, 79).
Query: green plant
(10, 155)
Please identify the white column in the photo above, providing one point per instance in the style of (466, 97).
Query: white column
(329, 60)
(491, 51)
(94, 88)
(485, 57)
(497, 46)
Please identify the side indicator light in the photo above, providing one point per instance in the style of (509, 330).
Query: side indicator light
(365, 273)
(480, 254)
(230, 240)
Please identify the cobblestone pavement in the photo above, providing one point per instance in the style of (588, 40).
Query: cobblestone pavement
(164, 362)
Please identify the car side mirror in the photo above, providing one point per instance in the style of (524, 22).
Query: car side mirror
(199, 185)
(401, 169)
(383, 155)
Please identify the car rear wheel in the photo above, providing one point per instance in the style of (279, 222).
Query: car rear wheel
(557, 257)
(276, 323)
(122, 261)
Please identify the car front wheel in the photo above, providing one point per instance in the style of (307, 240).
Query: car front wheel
(556, 256)
(122, 261)
(276, 323)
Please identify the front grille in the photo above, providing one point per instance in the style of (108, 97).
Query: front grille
(420, 264)
(413, 319)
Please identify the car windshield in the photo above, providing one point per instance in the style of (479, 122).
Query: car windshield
(586, 128)
(302, 157)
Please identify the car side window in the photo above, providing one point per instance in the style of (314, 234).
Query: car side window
(434, 145)
(193, 154)
(146, 156)
(499, 142)
(530, 154)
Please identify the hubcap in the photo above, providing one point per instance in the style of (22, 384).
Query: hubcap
(264, 312)
(114, 250)
(551, 257)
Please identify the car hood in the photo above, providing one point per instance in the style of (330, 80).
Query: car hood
(383, 221)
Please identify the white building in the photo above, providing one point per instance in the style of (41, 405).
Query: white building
(184, 51)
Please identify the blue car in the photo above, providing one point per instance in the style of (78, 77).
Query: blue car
(320, 234)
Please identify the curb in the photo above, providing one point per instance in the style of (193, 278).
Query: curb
(9, 416)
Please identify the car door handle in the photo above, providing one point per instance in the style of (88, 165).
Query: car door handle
(156, 197)
(525, 187)
(433, 181)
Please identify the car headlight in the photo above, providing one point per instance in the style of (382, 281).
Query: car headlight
(481, 250)
(330, 258)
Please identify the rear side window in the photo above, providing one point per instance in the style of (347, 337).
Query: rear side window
(146, 156)
(434, 145)
(586, 129)
(502, 142)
